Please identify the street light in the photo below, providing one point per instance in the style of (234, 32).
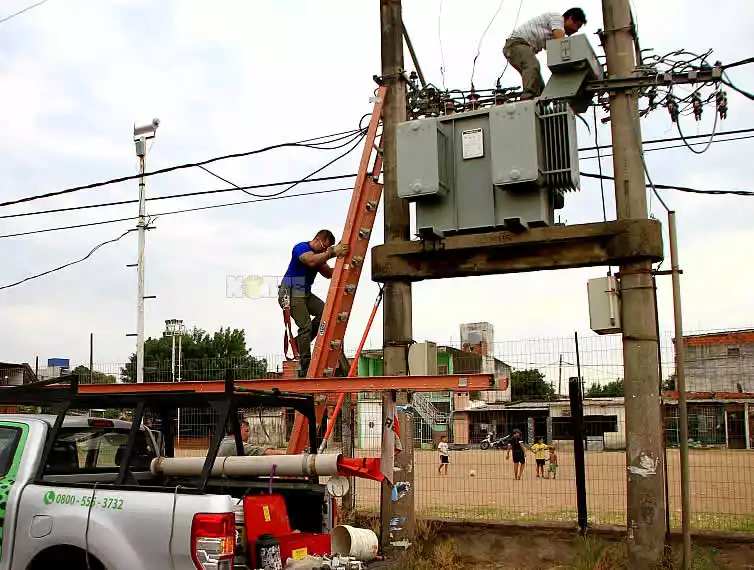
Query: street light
(173, 328)
(141, 135)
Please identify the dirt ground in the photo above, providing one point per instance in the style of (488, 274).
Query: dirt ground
(480, 486)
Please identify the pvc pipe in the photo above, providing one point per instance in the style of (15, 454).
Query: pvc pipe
(360, 543)
(285, 465)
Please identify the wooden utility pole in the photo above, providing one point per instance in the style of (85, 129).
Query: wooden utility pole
(645, 458)
(397, 328)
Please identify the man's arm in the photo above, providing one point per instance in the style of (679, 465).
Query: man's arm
(311, 259)
(557, 26)
(325, 271)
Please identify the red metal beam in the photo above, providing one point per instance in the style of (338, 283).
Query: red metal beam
(447, 382)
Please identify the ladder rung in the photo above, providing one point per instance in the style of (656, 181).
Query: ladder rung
(364, 233)
(343, 316)
(371, 205)
(335, 344)
(350, 288)
(356, 261)
(329, 371)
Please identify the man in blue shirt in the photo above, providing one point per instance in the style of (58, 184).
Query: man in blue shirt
(308, 258)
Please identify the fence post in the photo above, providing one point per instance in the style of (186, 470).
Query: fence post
(577, 428)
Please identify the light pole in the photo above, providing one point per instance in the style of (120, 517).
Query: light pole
(141, 135)
(173, 328)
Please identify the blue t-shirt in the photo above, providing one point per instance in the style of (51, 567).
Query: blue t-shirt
(298, 275)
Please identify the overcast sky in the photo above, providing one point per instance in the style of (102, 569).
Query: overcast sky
(230, 76)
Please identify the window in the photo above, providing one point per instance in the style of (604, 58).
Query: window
(9, 438)
(97, 449)
(442, 369)
(734, 352)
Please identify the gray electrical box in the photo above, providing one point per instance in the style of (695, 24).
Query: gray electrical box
(506, 166)
(604, 305)
(573, 64)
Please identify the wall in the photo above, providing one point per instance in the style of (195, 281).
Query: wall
(12, 376)
(461, 428)
(720, 367)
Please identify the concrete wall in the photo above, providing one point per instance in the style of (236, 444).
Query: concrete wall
(461, 428)
(720, 368)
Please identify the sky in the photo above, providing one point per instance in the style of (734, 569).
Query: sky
(233, 76)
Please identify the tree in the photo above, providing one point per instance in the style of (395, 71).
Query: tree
(669, 384)
(204, 357)
(611, 389)
(530, 385)
(96, 378)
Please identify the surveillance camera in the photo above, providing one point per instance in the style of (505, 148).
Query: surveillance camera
(148, 129)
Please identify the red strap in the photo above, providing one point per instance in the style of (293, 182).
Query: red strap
(288, 337)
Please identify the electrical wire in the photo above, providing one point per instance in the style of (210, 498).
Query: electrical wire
(679, 188)
(709, 143)
(738, 89)
(674, 139)
(599, 162)
(303, 143)
(439, 37)
(746, 61)
(6, 18)
(479, 45)
(87, 256)
(184, 211)
(716, 141)
(183, 195)
(515, 23)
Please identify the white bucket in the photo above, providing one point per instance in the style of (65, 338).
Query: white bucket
(360, 543)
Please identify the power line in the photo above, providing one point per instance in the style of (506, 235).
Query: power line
(479, 46)
(22, 11)
(679, 188)
(87, 256)
(304, 143)
(184, 195)
(716, 141)
(197, 209)
(746, 61)
(674, 139)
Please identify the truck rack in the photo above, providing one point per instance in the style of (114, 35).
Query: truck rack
(66, 392)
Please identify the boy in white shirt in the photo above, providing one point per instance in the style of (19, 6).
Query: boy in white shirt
(444, 457)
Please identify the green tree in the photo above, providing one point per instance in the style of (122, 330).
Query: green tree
(530, 385)
(669, 384)
(610, 390)
(204, 357)
(97, 378)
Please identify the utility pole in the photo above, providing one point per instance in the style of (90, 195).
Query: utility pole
(141, 135)
(397, 326)
(91, 358)
(646, 527)
(560, 372)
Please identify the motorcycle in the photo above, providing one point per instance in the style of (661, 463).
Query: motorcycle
(498, 443)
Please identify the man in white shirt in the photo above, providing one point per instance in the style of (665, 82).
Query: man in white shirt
(530, 38)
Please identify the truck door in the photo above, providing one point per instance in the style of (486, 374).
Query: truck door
(12, 440)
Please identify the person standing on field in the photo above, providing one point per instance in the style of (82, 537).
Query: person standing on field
(539, 449)
(518, 448)
(526, 41)
(444, 456)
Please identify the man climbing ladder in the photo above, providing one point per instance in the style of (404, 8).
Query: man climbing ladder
(295, 292)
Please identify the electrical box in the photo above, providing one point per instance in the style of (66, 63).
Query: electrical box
(506, 166)
(422, 359)
(604, 305)
(573, 64)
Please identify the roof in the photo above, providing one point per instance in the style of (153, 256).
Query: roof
(710, 396)
(543, 405)
(743, 336)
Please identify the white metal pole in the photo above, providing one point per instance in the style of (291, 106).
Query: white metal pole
(747, 427)
(140, 263)
(172, 358)
(180, 337)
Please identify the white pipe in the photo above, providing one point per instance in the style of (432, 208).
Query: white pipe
(285, 465)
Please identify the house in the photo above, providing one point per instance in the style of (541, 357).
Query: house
(719, 374)
(434, 409)
(16, 374)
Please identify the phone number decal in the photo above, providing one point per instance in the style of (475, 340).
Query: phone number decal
(86, 501)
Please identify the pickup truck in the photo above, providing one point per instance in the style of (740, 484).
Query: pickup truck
(70, 501)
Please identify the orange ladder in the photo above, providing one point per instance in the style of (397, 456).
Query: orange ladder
(328, 348)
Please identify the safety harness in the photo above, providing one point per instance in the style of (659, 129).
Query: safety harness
(288, 338)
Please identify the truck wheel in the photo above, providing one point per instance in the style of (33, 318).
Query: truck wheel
(64, 558)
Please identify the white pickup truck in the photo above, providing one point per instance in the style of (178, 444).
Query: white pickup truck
(84, 508)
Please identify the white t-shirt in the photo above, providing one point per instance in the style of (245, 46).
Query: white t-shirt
(443, 447)
(539, 29)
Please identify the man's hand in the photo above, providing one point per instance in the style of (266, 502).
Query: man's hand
(339, 250)
(558, 34)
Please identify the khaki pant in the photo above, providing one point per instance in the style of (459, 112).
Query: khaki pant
(306, 312)
(522, 58)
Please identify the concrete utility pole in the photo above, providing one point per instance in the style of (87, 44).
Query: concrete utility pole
(646, 527)
(397, 327)
(141, 135)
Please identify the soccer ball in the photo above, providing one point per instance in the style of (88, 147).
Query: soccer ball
(472, 473)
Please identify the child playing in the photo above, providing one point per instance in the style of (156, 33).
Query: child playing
(444, 457)
(553, 463)
(539, 449)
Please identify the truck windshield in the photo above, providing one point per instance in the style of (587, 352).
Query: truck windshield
(97, 449)
(9, 437)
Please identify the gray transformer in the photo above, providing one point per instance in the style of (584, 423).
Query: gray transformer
(506, 166)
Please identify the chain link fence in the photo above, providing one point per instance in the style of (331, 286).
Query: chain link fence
(479, 480)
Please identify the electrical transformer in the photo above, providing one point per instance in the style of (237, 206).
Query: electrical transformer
(505, 166)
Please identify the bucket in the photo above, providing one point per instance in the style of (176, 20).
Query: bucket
(360, 543)
(268, 553)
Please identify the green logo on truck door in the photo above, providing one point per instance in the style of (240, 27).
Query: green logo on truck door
(49, 497)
